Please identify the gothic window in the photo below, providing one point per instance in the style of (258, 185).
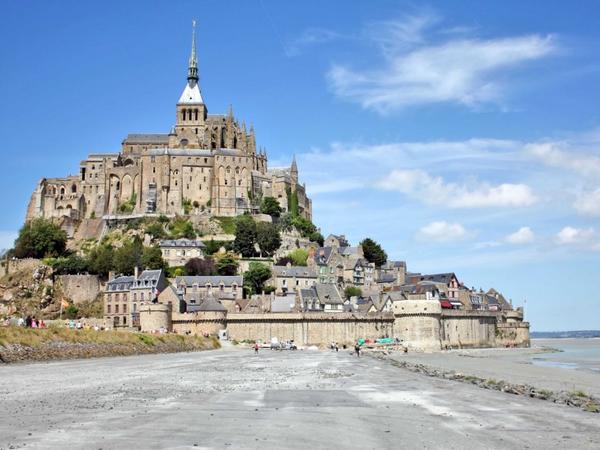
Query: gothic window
(239, 182)
(154, 170)
(205, 161)
(196, 130)
(228, 170)
(62, 191)
(196, 118)
(237, 170)
(225, 182)
(200, 186)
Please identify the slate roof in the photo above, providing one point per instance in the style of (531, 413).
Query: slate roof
(213, 280)
(386, 278)
(283, 304)
(328, 294)
(294, 271)
(182, 243)
(150, 275)
(122, 279)
(149, 138)
(211, 304)
(444, 278)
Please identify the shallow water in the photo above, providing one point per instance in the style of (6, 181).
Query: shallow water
(582, 354)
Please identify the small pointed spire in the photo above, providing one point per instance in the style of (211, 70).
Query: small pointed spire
(193, 63)
(230, 112)
(294, 165)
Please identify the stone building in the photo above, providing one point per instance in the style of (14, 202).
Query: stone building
(125, 294)
(291, 278)
(206, 163)
(177, 252)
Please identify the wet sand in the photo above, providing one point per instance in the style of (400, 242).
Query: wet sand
(513, 366)
(303, 399)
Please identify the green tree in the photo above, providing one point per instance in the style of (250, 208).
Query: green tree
(245, 236)
(182, 228)
(152, 258)
(270, 206)
(128, 257)
(256, 276)
(100, 260)
(71, 265)
(156, 230)
(304, 226)
(211, 247)
(227, 264)
(317, 237)
(71, 312)
(197, 266)
(299, 257)
(352, 291)
(267, 238)
(373, 252)
(40, 238)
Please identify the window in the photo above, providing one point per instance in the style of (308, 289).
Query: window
(142, 296)
(116, 309)
(124, 308)
(108, 309)
(134, 307)
(124, 320)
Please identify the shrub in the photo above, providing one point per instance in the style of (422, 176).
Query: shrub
(227, 264)
(182, 228)
(40, 238)
(299, 257)
(156, 230)
(352, 291)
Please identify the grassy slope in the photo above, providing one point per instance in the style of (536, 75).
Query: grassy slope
(22, 344)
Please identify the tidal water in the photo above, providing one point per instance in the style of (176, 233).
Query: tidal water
(580, 354)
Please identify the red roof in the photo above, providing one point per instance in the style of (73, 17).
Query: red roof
(446, 304)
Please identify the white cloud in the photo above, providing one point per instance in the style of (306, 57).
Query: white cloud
(570, 235)
(523, 235)
(310, 36)
(561, 155)
(588, 203)
(434, 190)
(415, 72)
(442, 231)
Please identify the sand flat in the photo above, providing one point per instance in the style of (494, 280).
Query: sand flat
(513, 366)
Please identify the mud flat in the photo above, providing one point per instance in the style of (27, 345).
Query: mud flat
(518, 366)
(301, 399)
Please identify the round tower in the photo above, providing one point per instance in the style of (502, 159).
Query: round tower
(155, 317)
(418, 323)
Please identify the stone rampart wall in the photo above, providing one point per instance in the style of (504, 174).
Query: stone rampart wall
(80, 288)
(8, 266)
(468, 329)
(512, 334)
(307, 329)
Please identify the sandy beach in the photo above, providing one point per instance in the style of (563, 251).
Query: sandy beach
(520, 366)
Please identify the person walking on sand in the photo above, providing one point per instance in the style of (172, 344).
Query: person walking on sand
(357, 349)
(337, 349)
(256, 347)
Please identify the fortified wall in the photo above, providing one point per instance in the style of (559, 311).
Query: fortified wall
(420, 324)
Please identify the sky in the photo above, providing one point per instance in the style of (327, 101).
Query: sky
(462, 136)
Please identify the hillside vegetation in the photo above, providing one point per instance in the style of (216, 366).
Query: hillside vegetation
(18, 344)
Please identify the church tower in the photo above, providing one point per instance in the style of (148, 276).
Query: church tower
(190, 124)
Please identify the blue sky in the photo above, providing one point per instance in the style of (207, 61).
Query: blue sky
(463, 137)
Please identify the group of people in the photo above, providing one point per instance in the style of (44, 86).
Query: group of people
(32, 322)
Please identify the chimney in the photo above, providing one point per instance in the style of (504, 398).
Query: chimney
(135, 272)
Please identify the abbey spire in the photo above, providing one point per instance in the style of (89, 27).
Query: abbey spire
(191, 92)
(193, 63)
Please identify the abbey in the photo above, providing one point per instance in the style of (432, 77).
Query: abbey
(206, 163)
